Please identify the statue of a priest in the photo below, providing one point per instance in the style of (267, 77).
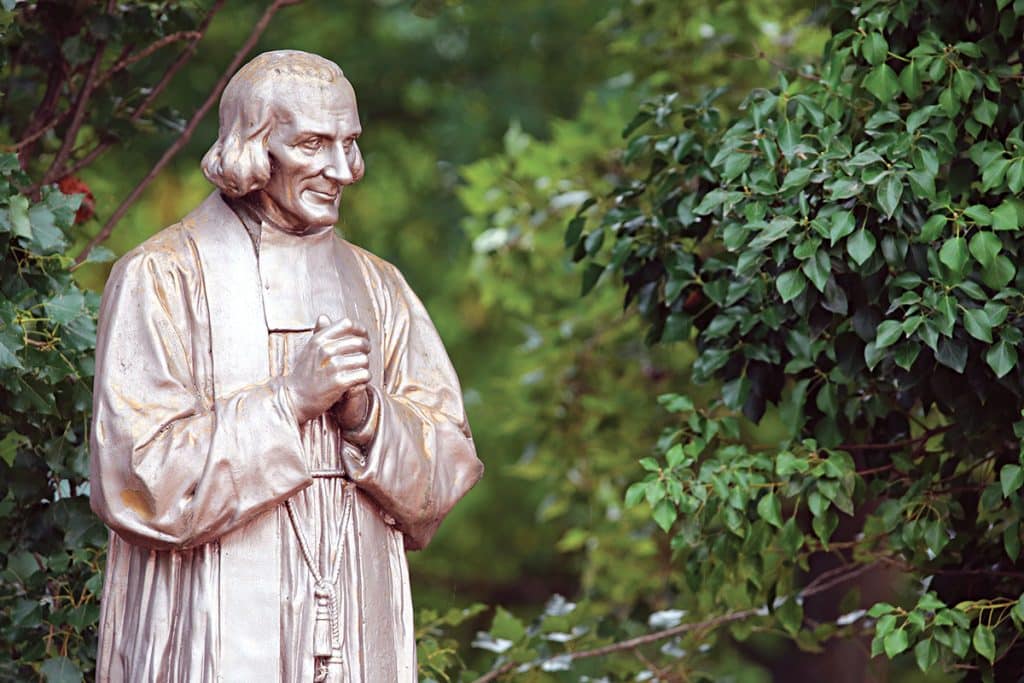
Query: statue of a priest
(275, 418)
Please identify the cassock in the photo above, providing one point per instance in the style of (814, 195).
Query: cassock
(245, 546)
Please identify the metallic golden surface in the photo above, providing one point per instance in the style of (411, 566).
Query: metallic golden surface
(275, 417)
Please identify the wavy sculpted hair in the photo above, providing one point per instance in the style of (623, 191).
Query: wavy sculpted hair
(238, 163)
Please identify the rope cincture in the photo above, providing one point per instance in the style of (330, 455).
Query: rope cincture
(324, 587)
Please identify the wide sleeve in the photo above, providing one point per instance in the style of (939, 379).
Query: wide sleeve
(169, 467)
(418, 458)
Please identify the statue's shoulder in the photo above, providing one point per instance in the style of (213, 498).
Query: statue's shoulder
(374, 267)
(172, 251)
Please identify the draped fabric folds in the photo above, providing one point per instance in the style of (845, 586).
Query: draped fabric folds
(195, 449)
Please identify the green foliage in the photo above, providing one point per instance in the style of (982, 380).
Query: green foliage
(844, 248)
(53, 544)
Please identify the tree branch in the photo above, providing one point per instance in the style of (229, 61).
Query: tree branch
(68, 144)
(707, 624)
(181, 60)
(128, 60)
(171, 151)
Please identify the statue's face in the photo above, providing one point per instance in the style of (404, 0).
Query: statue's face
(313, 154)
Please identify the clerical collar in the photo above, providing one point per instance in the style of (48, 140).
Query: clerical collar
(256, 221)
(297, 272)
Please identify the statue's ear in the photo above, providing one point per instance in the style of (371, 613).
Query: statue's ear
(355, 162)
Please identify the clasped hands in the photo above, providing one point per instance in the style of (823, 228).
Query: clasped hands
(332, 372)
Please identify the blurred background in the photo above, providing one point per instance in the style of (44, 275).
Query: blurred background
(486, 126)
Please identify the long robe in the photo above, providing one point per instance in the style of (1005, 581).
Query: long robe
(195, 450)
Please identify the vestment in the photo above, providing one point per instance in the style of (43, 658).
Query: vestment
(195, 447)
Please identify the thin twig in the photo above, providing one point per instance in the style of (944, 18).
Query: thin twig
(182, 58)
(77, 119)
(707, 624)
(127, 61)
(895, 444)
(171, 151)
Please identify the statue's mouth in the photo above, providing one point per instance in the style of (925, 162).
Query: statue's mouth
(324, 196)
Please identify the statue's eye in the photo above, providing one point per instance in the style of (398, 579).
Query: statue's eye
(312, 144)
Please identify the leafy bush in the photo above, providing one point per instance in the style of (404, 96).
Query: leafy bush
(844, 252)
(50, 586)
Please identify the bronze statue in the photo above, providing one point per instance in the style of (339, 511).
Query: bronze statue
(275, 417)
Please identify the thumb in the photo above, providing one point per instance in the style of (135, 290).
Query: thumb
(322, 322)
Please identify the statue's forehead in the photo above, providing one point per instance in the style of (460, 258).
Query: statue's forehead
(313, 104)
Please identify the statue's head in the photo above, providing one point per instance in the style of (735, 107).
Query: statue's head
(288, 129)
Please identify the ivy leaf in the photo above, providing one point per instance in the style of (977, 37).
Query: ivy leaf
(999, 273)
(1011, 478)
(1007, 216)
(860, 246)
(889, 333)
(770, 510)
(896, 642)
(1001, 358)
(952, 354)
(932, 228)
(985, 642)
(665, 514)
(984, 246)
(841, 225)
(883, 83)
(791, 284)
(953, 254)
(60, 670)
(889, 193)
(926, 653)
(874, 48)
(977, 324)
(9, 446)
(817, 269)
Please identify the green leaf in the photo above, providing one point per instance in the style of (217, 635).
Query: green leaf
(953, 254)
(507, 626)
(9, 446)
(1001, 358)
(1015, 176)
(795, 179)
(896, 642)
(817, 269)
(665, 514)
(789, 138)
(791, 284)
(874, 48)
(770, 510)
(952, 354)
(791, 615)
(977, 324)
(932, 228)
(66, 307)
(926, 653)
(985, 642)
(985, 112)
(60, 670)
(860, 246)
(910, 80)
(985, 246)
(17, 211)
(888, 333)
(590, 277)
(979, 213)
(999, 273)
(1007, 216)
(1011, 478)
(841, 225)
(889, 193)
(882, 82)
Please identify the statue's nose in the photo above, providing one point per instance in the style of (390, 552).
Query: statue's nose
(338, 169)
